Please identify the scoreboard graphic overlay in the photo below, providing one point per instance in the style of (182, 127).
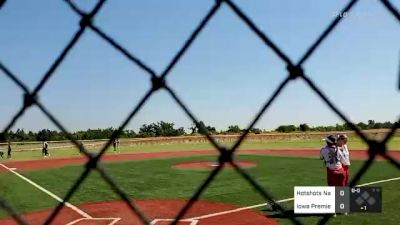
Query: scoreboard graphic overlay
(322, 199)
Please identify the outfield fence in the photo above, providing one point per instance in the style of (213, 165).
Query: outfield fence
(294, 72)
(264, 137)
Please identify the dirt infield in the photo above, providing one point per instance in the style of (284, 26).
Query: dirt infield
(158, 211)
(64, 161)
(211, 164)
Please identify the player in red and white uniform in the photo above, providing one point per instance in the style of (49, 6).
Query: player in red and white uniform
(345, 159)
(331, 156)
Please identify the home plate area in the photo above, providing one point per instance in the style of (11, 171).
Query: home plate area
(87, 221)
(158, 211)
(169, 221)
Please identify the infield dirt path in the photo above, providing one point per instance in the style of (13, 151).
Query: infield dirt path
(158, 212)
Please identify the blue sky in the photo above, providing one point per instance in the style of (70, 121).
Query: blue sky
(224, 78)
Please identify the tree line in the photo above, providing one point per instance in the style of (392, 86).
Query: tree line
(167, 129)
(371, 124)
(159, 129)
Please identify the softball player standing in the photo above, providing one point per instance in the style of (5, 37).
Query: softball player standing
(345, 159)
(9, 150)
(332, 160)
(116, 144)
(45, 149)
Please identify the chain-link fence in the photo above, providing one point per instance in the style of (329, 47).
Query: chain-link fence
(158, 81)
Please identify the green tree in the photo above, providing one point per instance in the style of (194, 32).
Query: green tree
(387, 124)
(193, 128)
(371, 124)
(180, 131)
(20, 135)
(211, 129)
(234, 129)
(304, 127)
(31, 136)
(161, 128)
(378, 125)
(166, 129)
(347, 126)
(339, 127)
(43, 135)
(362, 125)
(286, 128)
(148, 130)
(128, 134)
(256, 130)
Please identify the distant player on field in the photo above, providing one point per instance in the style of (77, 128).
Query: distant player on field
(332, 161)
(45, 149)
(81, 147)
(9, 150)
(345, 159)
(116, 144)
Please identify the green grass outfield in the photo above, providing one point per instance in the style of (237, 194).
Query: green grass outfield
(292, 143)
(154, 178)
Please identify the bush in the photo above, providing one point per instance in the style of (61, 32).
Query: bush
(286, 128)
(234, 129)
